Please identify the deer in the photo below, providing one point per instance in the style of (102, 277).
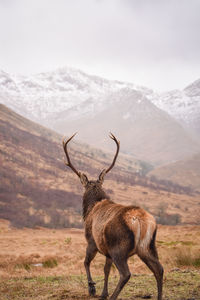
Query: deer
(116, 231)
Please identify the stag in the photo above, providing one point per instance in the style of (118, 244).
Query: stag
(116, 231)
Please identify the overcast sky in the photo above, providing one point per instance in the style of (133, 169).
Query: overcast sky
(155, 43)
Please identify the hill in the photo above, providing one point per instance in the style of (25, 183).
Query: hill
(183, 172)
(37, 189)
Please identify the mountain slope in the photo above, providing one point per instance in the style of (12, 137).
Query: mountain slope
(185, 172)
(145, 131)
(36, 188)
(183, 105)
(70, 98)
(42, 95)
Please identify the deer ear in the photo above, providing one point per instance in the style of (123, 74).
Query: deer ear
(101, 176)
(83, 179)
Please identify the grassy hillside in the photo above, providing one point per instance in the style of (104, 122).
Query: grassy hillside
(185, 172)
(37, 189)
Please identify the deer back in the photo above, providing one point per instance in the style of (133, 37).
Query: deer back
(113, 226)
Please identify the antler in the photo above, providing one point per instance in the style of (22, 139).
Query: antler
(105, 171)
(68, 163)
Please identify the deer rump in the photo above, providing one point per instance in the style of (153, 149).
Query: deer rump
(114, 228)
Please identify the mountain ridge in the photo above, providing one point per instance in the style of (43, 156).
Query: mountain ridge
(70, 97)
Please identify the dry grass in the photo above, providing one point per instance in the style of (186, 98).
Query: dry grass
(177, 286)
(29, 250)
(187, 257)
(49, 263)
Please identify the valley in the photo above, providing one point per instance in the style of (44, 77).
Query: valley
(37, 189)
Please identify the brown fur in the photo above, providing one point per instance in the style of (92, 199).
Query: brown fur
(117, 232)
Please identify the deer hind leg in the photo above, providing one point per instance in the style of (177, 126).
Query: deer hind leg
(91, 251)
(155, 266)
(107, 268)
(122, 266)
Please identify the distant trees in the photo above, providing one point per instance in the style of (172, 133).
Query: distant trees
(151, 182)
(164, 218)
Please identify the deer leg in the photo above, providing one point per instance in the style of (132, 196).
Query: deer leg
(155, 266)
(107, 268)
(90, 254)
(122, 266)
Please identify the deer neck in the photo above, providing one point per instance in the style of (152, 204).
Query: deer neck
(90, 198)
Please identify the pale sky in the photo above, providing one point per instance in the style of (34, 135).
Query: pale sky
(155, 43)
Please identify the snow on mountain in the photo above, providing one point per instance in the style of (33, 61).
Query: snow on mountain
(183, 105)
(40, 96)
(44, 96)
(69, 98)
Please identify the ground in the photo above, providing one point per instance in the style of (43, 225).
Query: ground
(48, 264)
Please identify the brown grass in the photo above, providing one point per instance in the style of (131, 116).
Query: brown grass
(48, 264)
(43, 252)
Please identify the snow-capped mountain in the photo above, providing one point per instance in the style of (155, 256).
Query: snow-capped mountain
(149, 124)
(42, 95)
(183, 105)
